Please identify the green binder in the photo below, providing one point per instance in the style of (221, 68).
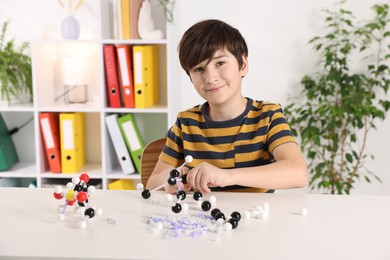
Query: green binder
(133, 139)
(8, 155)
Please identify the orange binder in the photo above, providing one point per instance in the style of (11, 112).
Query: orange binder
(126, 74)
(146, 75)
(112, 81)
(49, 123)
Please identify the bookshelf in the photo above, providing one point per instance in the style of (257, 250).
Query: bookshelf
(101, 160)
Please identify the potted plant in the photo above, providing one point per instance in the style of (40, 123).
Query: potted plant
(340, 104)
(15, 70)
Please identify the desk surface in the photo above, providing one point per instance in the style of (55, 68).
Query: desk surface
(336, 227)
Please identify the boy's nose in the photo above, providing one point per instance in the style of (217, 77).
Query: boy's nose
(210, 76)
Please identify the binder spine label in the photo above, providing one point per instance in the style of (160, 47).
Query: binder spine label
(67, 127)
(47, 133)
(131, 135)
(138, 68)
(124, 67)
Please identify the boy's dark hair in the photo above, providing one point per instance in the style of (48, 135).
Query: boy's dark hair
(203, 39)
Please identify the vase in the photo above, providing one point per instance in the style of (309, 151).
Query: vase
(70, 28)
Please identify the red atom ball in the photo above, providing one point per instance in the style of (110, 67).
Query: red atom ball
(84, 177)
(58, 196)
(81, 196)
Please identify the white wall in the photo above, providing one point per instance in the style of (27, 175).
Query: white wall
(276, 31)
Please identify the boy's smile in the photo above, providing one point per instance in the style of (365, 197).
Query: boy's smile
(215, 89)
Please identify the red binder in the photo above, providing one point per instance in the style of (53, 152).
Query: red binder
(49, 123)
(126, 74)
(112, 81)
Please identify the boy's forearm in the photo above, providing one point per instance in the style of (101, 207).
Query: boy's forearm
(283, 174)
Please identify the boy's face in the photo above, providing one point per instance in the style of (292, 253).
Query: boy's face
(218, 80)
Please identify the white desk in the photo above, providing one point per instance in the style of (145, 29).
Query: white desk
(336, 227)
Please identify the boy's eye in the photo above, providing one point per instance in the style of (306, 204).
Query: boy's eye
(198, 69)
(220, 63)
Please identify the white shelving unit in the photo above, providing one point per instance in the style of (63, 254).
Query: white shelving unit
(102, 163)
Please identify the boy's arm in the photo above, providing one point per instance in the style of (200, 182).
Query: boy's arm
(288, 171)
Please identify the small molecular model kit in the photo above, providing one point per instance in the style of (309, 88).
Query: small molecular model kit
(77, 191)
(192, 221)
(195, 224)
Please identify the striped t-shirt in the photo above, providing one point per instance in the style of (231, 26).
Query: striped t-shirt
(245, 141)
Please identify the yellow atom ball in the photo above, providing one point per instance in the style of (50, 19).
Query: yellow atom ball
(70, 195)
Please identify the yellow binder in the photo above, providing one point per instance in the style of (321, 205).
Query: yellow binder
(121, 185)
(72, 134)
(125, 14)
(146, 75)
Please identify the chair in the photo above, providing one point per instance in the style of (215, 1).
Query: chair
(149, 158)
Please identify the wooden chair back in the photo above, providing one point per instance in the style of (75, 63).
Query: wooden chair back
(149, 158)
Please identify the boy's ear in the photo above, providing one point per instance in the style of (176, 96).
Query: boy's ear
(245, 66)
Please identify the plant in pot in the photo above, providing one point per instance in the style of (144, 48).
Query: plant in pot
(15, 70)
(340, 104)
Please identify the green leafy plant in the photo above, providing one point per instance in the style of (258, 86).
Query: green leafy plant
(168, 7)
(15, 69)
(341, 103)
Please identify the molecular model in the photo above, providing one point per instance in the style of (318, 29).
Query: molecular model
(77, 191)
(217, 217)
(197, 224)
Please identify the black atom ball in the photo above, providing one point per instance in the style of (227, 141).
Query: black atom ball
(206, 205)
(214, 212)
(171, 181)
(174, 173)
(90, 212)
(85, 187)
(220, 215)
(197, 195)
(234, 222)
(146, 194)
(181, 195)
(176, 208)
(78, 187)
(236, 215)
(184, 178)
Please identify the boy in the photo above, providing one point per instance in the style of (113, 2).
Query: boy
(236, 143)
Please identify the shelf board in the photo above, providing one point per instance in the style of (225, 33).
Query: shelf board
(155, 109)
(93, 170)
(17, 108)
(20, 170)
(60, 106)
(114, 176)
(133, 41)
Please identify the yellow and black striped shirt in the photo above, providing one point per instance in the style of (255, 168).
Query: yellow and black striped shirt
(245, 141)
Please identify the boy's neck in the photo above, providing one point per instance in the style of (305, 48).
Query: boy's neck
(227, 111)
